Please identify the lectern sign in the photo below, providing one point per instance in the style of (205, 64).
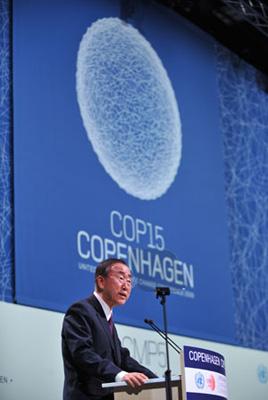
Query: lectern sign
(203, 374)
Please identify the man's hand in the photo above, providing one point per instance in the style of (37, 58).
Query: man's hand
(135, 379)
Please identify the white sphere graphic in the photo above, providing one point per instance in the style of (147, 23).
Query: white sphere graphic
(128, 108)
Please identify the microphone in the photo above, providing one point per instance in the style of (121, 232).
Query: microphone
(162, 291)
(171, 342)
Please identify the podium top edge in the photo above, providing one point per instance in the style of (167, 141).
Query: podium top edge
(150, 384)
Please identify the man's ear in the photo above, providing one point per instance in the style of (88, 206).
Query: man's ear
(100, 280)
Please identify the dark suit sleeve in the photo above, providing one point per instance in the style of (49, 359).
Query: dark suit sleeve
(78, 345)
(129, 364)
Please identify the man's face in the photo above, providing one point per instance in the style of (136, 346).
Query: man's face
(116, 287)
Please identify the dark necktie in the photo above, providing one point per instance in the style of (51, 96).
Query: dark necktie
(111, 325)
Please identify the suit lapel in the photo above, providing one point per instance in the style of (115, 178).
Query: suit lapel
(117, 347)
(113, 339)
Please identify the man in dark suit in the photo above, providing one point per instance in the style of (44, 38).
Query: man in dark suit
(92, 352)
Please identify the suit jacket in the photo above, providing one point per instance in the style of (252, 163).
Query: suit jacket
(91, 354)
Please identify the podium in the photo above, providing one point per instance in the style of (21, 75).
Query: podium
(202, 377)
(153, 389)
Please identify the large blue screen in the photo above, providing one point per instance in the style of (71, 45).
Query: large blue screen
(118, 153)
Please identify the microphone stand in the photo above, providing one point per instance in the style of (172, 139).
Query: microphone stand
(171, 342)
(162, 292)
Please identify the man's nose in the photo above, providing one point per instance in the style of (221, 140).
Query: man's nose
(126, 285)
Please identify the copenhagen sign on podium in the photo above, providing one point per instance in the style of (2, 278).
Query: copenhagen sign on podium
(203, 375)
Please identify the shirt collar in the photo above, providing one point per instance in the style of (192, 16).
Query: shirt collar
(106, 309)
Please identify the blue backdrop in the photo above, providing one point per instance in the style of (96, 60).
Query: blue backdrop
(69, 213)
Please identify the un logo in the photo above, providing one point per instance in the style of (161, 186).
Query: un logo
(199, 380)
(262, 372)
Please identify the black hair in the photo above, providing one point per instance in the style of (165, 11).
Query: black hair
(104, 267)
